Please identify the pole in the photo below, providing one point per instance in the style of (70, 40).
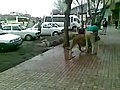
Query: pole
(119, 19)
(82, 14)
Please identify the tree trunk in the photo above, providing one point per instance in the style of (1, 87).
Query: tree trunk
(67, 23)
(95, 14)
(101, 17)
(102, 13)
(89, 10)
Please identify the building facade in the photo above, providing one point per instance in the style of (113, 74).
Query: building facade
(115, 8)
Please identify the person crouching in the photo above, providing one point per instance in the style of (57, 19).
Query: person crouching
(90, 36)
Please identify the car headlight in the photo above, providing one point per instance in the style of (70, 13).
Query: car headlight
(11, 41)
(19, 39)
(15, 40)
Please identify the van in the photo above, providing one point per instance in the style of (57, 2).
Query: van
(59, 19)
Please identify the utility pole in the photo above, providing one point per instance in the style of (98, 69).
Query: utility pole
(82, 14)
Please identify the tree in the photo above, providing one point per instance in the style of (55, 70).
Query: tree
(65, 7)
(67, 22)
(55, 12)
(93, 16)
(102, 13)
(59, 4)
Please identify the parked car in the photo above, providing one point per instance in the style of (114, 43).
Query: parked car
(9, 41)
(18, 30)
(49, 28)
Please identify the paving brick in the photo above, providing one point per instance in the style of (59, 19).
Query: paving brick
(51, 71)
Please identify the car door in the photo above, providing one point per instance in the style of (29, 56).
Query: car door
(54, 28)
(16, 30)
(46, 29)
(6, 29)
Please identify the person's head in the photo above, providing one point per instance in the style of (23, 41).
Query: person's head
(39, 20)
(105, 19)
(81, 31)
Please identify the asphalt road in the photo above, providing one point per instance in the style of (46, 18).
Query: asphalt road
(27, 50)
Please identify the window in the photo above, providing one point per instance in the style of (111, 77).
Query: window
(11, 18)
(46, 26)
(58, 19)
(76, 20)
(15, 28)
(7, 28)
(54, 19)
(71, 19)
(21, 27)
(48, 19)
(20, 19)
(52, 25)
(57, 25)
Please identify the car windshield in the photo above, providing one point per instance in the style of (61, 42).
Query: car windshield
(58, 25)
(23, 28)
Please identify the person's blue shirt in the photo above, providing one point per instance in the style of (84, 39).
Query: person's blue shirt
(92, 28)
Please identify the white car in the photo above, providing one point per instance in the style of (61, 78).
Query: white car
(9, 41)
(18, 30)
(49, 28)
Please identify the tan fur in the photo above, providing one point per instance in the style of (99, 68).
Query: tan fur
(78, 39)
(44, 43)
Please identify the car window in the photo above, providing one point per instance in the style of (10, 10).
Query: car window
(76, 20)
(7, 28)
(49, 24)
(15, 28)
(22, 27)
(57, 25)
(46, 26)
(54, 25)
(36, 26)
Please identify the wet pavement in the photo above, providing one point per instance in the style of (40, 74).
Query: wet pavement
(50, 70)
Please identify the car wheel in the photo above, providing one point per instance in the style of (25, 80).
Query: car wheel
(37, 38)
(55, 33)
(3, 48)
(28, 37)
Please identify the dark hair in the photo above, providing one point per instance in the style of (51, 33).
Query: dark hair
(39, 20)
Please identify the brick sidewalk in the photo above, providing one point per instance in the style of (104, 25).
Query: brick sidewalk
(51, 71)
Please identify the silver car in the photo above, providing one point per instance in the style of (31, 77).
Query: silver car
(9, 41)
(48, 28)
(18, 30)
